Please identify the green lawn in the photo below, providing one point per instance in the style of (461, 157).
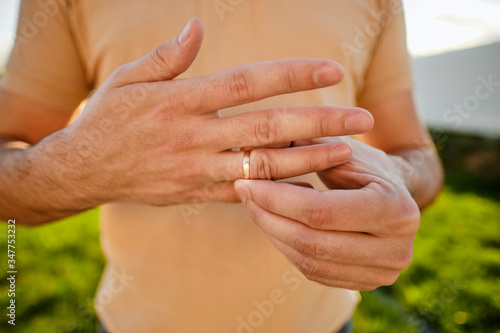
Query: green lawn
(453, 284)
(58, 270)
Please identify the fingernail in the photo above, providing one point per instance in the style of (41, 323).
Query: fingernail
(241, 188)
(341, 153)
(327, 75)
(358, 123)
(186, 33)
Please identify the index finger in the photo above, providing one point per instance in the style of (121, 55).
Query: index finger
(256, 81)
(340, 210)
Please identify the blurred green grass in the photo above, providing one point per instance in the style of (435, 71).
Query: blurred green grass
(58, 266)
(453, 284)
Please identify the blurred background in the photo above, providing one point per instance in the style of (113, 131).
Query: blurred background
(453, 284)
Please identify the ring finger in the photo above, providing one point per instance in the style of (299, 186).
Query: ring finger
(280, 163)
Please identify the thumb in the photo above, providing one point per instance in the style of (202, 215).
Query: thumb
(166, 61)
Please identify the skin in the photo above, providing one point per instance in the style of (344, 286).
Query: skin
(141, 114)
(359, 235)
(357, 239)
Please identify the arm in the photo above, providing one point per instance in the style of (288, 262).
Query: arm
(26, 185)
(398, 132)
(148, 139)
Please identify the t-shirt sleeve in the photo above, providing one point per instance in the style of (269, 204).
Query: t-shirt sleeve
(389, 72)
(45, 65)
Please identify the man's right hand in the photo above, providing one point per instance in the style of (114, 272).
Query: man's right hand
(146, 138)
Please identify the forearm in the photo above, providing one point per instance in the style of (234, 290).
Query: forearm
(422, 173)
(40, 183)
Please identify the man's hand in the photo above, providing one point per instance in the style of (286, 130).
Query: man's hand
(357, 236)
(163, 141)
(144, 137)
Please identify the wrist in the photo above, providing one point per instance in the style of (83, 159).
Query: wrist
(68, 171)
(421, 172)
(407, 174)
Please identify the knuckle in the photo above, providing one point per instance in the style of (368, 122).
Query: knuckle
(384, 209)
(239, 86)
(313, 164)
(305, 246)
(291, 80)
(119, 72)
(163, 59)
(410, 216)
(401, 260)
(386, 278)
(309, 267)
(322, 123)
(266, 129)
(406, 215)
(319, 216)
(406, 260)
(391, 278)
(263, 165)
(159, 57)
(394, 213)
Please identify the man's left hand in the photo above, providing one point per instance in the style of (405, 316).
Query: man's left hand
(358, 235)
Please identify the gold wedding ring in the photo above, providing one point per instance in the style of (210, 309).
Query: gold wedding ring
(246, 165)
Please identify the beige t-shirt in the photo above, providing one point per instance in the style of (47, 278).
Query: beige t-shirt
(206, 267)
